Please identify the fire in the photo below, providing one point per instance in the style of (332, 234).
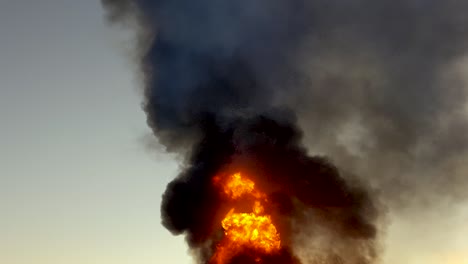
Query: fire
(237, 186)
(253, 231)
(252, 228)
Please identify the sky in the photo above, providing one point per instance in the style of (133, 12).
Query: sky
(78, 182)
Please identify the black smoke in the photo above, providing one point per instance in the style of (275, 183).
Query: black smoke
(304, 190)
(377, 85)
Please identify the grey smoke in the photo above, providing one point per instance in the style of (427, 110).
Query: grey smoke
(377, 85)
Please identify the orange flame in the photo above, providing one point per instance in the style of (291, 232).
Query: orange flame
(254, 231)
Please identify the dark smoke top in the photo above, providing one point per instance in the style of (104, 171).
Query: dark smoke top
(376, 84)
(211, 57)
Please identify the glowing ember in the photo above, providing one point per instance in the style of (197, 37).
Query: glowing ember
(253, 231)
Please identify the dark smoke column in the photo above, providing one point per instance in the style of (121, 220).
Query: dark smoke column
(215, 77)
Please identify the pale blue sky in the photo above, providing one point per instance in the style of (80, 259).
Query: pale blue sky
(77, 185)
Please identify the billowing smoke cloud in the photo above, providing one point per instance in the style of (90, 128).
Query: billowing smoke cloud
(377, 85)
(302, 188)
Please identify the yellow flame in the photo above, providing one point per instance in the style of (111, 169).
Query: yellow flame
(254, 230)
(238, 186)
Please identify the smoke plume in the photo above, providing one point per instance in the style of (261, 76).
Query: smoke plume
(377, 86)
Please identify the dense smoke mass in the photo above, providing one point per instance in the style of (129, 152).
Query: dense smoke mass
(377, 86)
(268, 149)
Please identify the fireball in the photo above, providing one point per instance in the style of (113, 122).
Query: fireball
(252, 231)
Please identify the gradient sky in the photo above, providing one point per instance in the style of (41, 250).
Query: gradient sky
(77, 183)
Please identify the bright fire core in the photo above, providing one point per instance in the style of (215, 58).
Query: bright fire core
(253, 231)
